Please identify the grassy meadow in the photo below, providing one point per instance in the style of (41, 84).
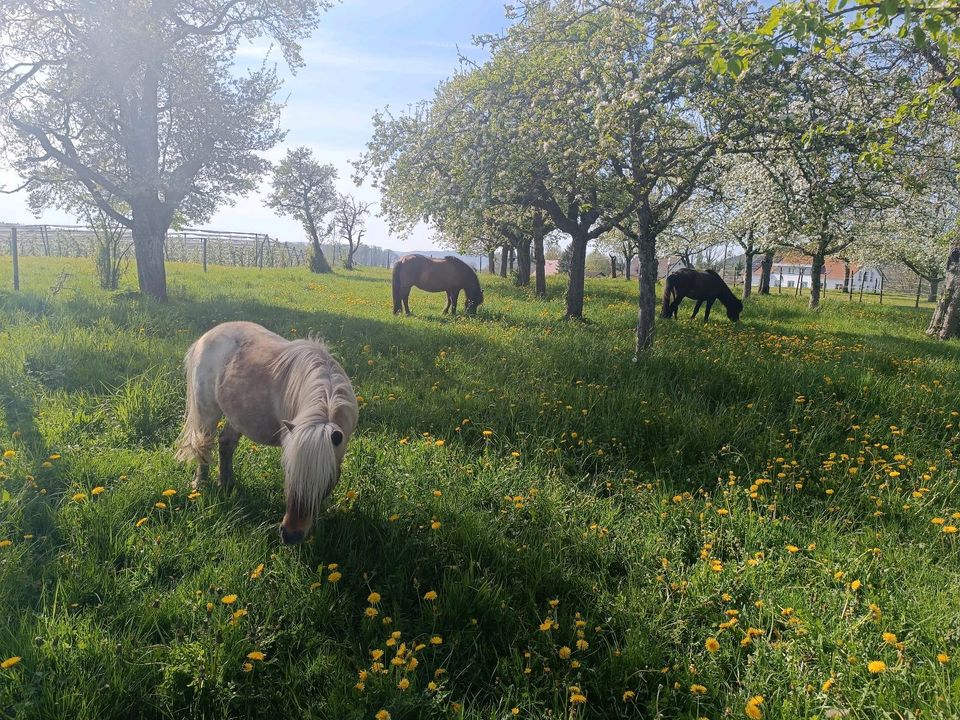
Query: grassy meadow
(753, 521)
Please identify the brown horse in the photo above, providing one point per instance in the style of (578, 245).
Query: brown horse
(449, 275)
(703, 287)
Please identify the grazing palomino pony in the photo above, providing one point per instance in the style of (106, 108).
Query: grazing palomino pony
(703, 287)
(449, 275)
(276, 392)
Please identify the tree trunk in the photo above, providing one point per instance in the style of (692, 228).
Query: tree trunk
(647, 282)
(815, 272)
(627, 266)
(934, 287)
(538, 260)
(523, 263)
(765, 267)
(149, 233)
(504, 259)
(492, 262)
(613, 267)
(945, 323)
(318, 261)
(348, 265)
(748, 276)
(578, 262)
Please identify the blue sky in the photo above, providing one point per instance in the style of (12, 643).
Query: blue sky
(365, 55)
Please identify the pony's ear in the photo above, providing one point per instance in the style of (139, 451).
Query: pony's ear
(288, 425)
(337, 437)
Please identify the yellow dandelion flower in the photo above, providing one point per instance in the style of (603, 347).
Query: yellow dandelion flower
(160, 505)
(430, 595)
(554, 603)
(877, 666)
(435, 525)
(564, 653)
(97, 490)
(515, 711)
(169, 492)
(712, 644)
(371, 612)
(698, 689)
(256, 572)
(577, 698)
(582, 644)
(228, 599)
(792, 549)
(193, 496)
(436, 640)
(55, 456)
(827, 684)
(943, 658)
(628, 695)
(10, 661)
(46, 464)
(752, 709)
(949, 529)
(403, 684)
(256, 655)
(9, 454)
(440, 443)
(890, 638)
(239, 614)
(315, 585)
(856, 585)
(141, 521)
(373, 598)
(382, 715)
(334, 577)
(247, 666)
(79, 497)
(431, 686)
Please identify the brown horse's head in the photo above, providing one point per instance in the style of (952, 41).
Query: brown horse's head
(474, 299)
(312, 455)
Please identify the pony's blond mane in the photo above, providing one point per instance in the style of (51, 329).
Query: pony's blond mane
(318, 399)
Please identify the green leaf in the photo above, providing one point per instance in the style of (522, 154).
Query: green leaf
(5, 497)
(718, 64)
(919, 37)
(734, 66)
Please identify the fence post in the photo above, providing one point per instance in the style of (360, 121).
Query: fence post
(16, 258)
(204, 254)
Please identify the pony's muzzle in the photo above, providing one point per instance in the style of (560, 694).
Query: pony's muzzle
(291, 537)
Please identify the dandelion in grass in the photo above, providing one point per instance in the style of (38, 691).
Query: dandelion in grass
(247, 666)
(382, 715)
(79, 497)
(698, 689)
(949, 529)
(193, 496)
(371, 612)
(876, 667)
(334, 577)
(827, 684)
(314, 585)
(436, 640)
(403, 684)
(7, 454)
(228, 599)
(430, 595)
(160, 505)
(890, 638)
(792, 549)
(515, 711)
(488, 433)
(169, 492)
(256, 572)
(752, 709)
(435, 525)
(97, 490)
(5, 543)
(10, 662)
(712, 644)
(440, 443)
(256, 655)
(46, 464)
(856, 585)
(564, 653)
(628, 695)
(943, 658)
(373, 598)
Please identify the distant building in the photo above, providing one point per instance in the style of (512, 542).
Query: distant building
(793, 270)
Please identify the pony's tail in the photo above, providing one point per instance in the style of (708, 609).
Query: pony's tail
(397, 294)
(668, 292)
(195, 440)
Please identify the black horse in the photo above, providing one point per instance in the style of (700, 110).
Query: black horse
(701, 286)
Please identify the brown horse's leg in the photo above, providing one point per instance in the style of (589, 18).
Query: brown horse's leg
(229, 438)
(455, 295)
(696, 309)
(406, 302)
(706, 315)
(201, 477)
(449, 303)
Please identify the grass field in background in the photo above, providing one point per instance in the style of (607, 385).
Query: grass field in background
(754, 520)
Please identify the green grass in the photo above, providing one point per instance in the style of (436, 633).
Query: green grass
(638, 503)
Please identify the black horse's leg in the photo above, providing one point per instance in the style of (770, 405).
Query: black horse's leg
(229, 438)
(696, 309)
(449, 303)
(406, 302)
(675, 306)
(706, 315)
(456, 296)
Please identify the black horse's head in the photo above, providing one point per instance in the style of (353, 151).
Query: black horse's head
(734, 309)
(474, 300)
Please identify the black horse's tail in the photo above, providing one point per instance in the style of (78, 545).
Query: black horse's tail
(669, 291)
(397, 290)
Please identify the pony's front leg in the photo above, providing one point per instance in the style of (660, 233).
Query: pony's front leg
(456, 298)
(229, 439)
(449, 303)
(696, 309)
(706, 315)
(201, 477)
